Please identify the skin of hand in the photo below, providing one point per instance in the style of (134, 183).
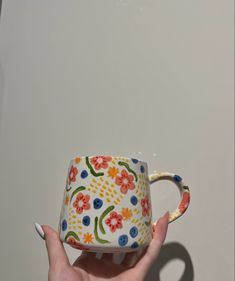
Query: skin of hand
(87, 267)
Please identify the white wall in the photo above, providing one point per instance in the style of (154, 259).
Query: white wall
(116, 77)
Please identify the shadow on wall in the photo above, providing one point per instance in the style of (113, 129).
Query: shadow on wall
(169, 252)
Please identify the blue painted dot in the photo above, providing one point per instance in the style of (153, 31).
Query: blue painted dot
(86, 220)
(84, 174)
(97, 203)
(135, 245)
(134, 200)
(133, 232)
(177, 178)
(64, 225)
(142, 169)
(135, 161)
(123, 240)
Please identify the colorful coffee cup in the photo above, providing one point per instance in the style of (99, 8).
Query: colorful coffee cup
(107, 205)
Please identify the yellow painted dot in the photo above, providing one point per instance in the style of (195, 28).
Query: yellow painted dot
(107, 193)
(101, 195)
(94, 191)
(108, 200)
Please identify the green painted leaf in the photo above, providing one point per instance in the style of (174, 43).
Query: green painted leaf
(108, 210)
(98, 239)
(72, 233)
(80, 188)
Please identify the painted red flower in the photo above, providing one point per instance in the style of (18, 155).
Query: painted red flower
(125, 181)
(184, 203)
(75, 244)
(100, 162)
(72, 174)
(81, 203)
(114, 221)
(145, 206)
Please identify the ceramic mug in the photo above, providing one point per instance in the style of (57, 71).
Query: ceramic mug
(107, 205)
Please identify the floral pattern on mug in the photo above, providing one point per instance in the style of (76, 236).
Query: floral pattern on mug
(112, 172)
(125, 181)
(100, 162)
(145, 206)
(81, 203)
(88, 238)
(72, 174)
(114, 221)
(126, 214)
(184, 203)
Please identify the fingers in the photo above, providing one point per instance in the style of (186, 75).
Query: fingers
(159, 235)
(55, 249)
(131, 259)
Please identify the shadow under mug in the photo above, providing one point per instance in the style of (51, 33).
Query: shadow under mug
(107, 205)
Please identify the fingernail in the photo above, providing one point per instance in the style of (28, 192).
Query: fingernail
(39, 230)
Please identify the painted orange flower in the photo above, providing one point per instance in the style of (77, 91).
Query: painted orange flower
(100, 162)
(88, 238)
(184, 203)
(126, 214)
(72, 174)
(113, 171)
(114, 221)
(81, 203)
(66, 201)
(145, 206)
(125, 181)
(77, 160)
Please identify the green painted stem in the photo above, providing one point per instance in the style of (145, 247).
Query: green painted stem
(98, 239)
(109, 209)
(67, 189)
(71, 233)
(92, 170)
(76, 191)
(128, 168)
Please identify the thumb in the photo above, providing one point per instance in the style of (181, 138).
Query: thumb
(55, 249)
(159, 235)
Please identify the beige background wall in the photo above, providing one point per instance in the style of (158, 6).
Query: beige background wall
(118, 77)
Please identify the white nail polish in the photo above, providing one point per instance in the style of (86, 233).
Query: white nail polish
(39, 230)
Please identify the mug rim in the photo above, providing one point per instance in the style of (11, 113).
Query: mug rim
(104, 155)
